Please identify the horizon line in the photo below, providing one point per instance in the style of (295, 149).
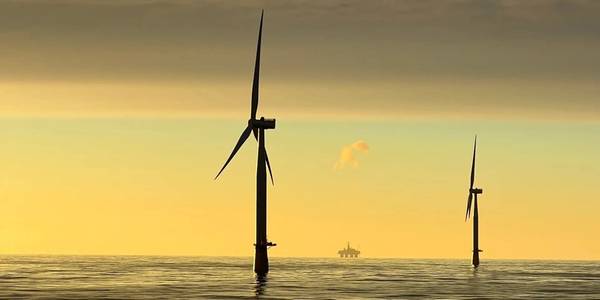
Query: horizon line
(301, 257)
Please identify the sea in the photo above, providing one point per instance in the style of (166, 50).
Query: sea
(153, 277)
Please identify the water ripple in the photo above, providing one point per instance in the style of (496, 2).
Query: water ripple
(140, 277)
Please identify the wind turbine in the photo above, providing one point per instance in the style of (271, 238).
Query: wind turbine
(258, 127)
(473, 192)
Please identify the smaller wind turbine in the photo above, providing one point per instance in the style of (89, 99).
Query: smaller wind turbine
(473, 192)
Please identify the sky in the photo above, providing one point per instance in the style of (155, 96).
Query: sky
(116, 115)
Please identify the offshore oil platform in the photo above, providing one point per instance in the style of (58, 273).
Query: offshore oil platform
(349, 252)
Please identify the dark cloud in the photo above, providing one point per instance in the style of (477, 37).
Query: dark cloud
(335, 40)
(420, 55)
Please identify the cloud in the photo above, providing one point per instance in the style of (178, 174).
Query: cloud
(175, 40)
(347, 155)
(411, 58)
(361, 145)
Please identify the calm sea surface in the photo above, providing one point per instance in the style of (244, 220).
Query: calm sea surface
(139, 277)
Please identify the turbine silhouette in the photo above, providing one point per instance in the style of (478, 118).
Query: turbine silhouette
(473, 192)
(258, 127)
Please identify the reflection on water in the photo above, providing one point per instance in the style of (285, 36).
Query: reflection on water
(137, 277)
(261, 284)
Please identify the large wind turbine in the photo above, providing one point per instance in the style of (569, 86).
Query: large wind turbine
(473, 192)
(258, 127)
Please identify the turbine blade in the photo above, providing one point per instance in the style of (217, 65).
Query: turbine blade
(255, 132)
(269, 167)
(239, 144)
(473, 164)
(469, 201)
(255, 82)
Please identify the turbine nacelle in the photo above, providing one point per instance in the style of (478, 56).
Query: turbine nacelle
(476, 191)
(262, 123)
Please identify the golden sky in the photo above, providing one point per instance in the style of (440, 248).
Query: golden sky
(116, 115)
